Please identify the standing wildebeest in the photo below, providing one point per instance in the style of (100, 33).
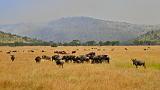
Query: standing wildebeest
(12, 58)
(38, 59)
(138, 63)
(59, 63)
(57, 59)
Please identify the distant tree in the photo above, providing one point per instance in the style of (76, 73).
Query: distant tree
(75, 43)
(91, 43)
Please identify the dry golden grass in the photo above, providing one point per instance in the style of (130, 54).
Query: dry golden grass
(25, 74)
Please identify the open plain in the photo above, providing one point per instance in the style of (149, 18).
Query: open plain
(25, 74)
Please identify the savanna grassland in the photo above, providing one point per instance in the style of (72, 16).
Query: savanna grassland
(120, 74)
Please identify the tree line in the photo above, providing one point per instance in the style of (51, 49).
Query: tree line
(79, 43)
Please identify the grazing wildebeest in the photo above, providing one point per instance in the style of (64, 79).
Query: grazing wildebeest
(14, 51)
(138, 63)
(68, 58)
(145, 49)
(60, 52)
(84, 58)
(126, 49)
(56, 57)
(12, 58)
(46, 57)
(77, 60)
(43, 51)
(91, 55)
(100, 59)
(30, 51)
(38, 59)
(73, 52)
(8, 52)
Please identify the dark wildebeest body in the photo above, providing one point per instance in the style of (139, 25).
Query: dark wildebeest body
(138, 63)
(73, 52)
(84, 58)
(12, 58)
(68, 58)
(126, 49)
(56, 57)
(77, 60)
(8, 52)
(60, 52)
(100, 59)
(38, 59)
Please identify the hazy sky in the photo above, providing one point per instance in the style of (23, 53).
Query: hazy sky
(133, 11)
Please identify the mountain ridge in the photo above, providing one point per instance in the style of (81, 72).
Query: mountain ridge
(82, 28)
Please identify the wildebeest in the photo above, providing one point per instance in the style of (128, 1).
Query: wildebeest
(138, 63)
(30, 51)
(56, 57)
(46, 57)
(68, 58)
(81, 59)
(38, 59)
(8, 52)
(12, 58)
(91, 55)
(60, 52)
(59, 63)
(43, 51)
(73, 52)
(100, 59)
(126, 49)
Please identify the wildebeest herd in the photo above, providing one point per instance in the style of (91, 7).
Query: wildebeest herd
(91, 57)
(88, 58)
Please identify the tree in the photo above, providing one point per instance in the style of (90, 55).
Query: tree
(91, 43)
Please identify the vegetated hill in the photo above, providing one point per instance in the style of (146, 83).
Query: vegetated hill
(12, 38)
(150, 36)
(80, 28)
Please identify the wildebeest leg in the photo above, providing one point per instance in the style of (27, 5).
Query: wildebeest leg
(108, 61)
(136, 66)
(144, 65)
(62, 65)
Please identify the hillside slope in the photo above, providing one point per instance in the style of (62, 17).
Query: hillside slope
(150, 36)
(81, 28)
(12, 38)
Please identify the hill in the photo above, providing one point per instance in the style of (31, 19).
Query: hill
(12, 38)
(80, 28)
(151, 37)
